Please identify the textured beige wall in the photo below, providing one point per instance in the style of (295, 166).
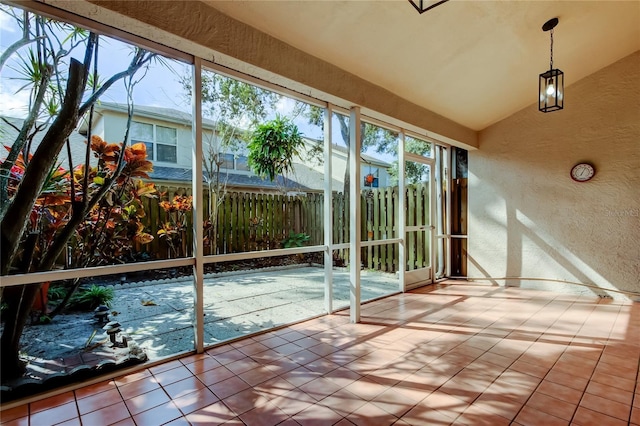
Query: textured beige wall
(529, 219)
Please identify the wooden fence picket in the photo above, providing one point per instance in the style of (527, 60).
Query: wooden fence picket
(248, 221)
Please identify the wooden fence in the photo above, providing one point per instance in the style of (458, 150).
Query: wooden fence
(256, 221)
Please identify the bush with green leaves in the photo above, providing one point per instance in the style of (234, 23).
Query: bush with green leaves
(58, 66)
(91, 298)
(296, 239)
(273, 146)
(56, 292)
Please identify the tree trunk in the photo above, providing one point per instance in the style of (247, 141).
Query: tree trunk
(13, 223)
(60, 307)
(16, 217)
(19, 301)
(19, 143)
(20, 298)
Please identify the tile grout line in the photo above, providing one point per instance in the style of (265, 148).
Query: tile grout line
(591, 318)
(550, 368)
(636, 389)
(597, 362)
(487, 350)
(123, 399)
(575, 411)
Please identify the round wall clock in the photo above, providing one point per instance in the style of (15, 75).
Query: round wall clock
(582, 172)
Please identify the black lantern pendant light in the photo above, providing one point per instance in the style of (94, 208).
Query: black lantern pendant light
(551, 83)
(424, 5)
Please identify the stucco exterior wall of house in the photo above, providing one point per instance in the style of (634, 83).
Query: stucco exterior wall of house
(98, 129)
(529, 221)
(310, 173)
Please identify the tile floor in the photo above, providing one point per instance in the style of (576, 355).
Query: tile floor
(453, 353)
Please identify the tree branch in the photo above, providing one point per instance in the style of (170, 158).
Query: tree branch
(77, 216)
(10, 124)
(15, 220)
(15, 47)
(18, 145)
(135, 65)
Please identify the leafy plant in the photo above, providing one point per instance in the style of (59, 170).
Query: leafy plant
(56, 293)
(296, 240)
(233, 108)
(113, 228)
(35, 233)
(91, 298)
(174, 229)
(273, 146)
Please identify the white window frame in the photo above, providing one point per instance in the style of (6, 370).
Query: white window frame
(154, 143)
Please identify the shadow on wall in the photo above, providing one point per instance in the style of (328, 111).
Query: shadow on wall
(530, 224)
(521, 234)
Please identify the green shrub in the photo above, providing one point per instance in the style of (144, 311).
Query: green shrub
(88, 299)
(273, 147)
(296, 240)
(56, 293)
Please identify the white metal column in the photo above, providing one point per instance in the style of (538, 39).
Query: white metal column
(328, 213)
(198, 213)
(448, 172)
(402, 208)
(435, 188)
(354, 214)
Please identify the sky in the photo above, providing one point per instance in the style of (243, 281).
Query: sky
(113, 56)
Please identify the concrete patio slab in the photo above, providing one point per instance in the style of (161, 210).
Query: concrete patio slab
(158, 315)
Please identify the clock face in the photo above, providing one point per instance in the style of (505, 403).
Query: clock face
(582, 172)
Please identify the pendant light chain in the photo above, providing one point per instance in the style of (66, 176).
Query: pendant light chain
(551, 61)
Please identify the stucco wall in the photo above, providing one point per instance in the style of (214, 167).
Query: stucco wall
(529, 219)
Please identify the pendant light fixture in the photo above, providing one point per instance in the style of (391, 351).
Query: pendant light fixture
(551, 83)
(424, 5)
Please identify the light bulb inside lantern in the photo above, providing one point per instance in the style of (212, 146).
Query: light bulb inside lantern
(551, 89)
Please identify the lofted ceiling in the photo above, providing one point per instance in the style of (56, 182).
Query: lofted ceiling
(472, 61)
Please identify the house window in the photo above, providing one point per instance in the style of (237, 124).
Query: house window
(371, 182)
(227, 161)
(241, 163)
(234, 162)
(161, 141)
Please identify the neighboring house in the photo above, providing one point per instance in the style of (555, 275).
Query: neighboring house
(167, 134)
(10, 128)
(374, 173)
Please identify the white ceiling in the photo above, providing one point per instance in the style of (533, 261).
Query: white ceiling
(472, 61)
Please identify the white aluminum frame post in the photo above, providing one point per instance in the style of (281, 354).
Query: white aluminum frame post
(198, 212)
(402, 208)
(354, 215)
(328, 212)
